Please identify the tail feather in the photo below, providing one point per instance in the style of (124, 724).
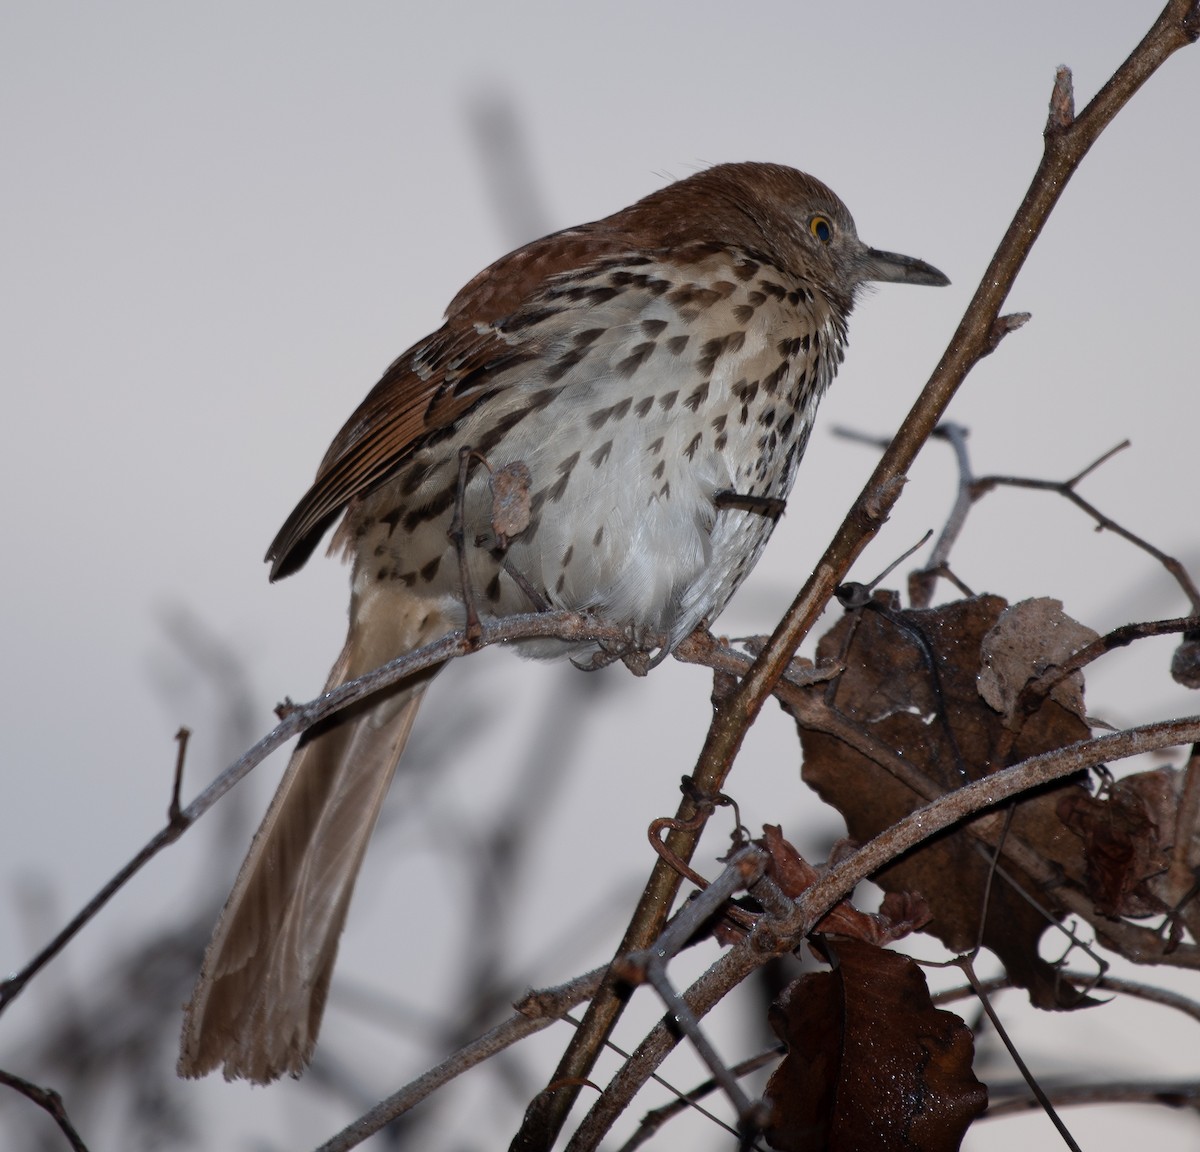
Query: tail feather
(258, 1002)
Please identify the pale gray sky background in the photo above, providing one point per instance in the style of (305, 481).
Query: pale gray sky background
(220, 222)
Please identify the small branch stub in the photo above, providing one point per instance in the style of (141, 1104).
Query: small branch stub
(1062, 102)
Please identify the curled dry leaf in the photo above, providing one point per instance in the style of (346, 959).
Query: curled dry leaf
(510, 499)
(1136, 864)
(900, 913)
(1028, 640)
(1185, 663)
(871, 1063)
(910, 683)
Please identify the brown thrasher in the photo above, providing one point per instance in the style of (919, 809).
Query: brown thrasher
(657, 373)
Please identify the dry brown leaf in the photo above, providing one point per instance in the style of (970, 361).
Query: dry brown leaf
(510, 499)
(871, 1064)
(1185, 663)
(900, 913)
(1122, 849)
(910, 681)
(1028, 640)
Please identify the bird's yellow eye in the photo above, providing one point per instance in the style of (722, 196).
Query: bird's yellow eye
(821, 228)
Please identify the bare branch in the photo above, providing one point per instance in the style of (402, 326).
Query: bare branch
(50, 1102)
(536, 1011)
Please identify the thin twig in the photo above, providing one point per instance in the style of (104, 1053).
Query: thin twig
(1172, 1093)
(535, 1011)
(657, 1117)
(1093, 982)
(964, 962)
(50, 1102)
(295, 719)
(1066, 489)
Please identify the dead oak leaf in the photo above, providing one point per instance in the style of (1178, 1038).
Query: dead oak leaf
(900, 913)
(910, 683)
(870, 1063)
(511, 500)
(1030, 639)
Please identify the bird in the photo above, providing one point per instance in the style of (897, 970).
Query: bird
(647, 384)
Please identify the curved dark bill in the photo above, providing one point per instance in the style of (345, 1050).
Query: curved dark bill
(896, 269)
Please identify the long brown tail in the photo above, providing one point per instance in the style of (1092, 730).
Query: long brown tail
(258, 1002)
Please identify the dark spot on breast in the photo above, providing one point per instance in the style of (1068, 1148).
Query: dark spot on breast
(527, 318)
(655, 445)
(414, 478)
(659, 469)
(598, 537)
(756, 299)
(719, 422)
(743, 313)
(653, 328)
(772, 381)
(697, 398)
(767, 418)
(429, 571)
(789, 422)
(677, 344)
(588, 336)
(710, 352)
(772, 289)
(720, 442)
(568, 554)
(601, 454)
(667, 401)
(693, 444)
(565, 363)
(432, 509)
(556, 490)
(636, 358)
(746, 391)
(492, 591)
(560, 583)
(501, 428)
(644, 406)
(745, 270)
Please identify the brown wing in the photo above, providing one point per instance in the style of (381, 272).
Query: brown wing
(490, 328)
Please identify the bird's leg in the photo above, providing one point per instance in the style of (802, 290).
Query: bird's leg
(769, 506)
(633, 650)
(531, 593)
(456, 532)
